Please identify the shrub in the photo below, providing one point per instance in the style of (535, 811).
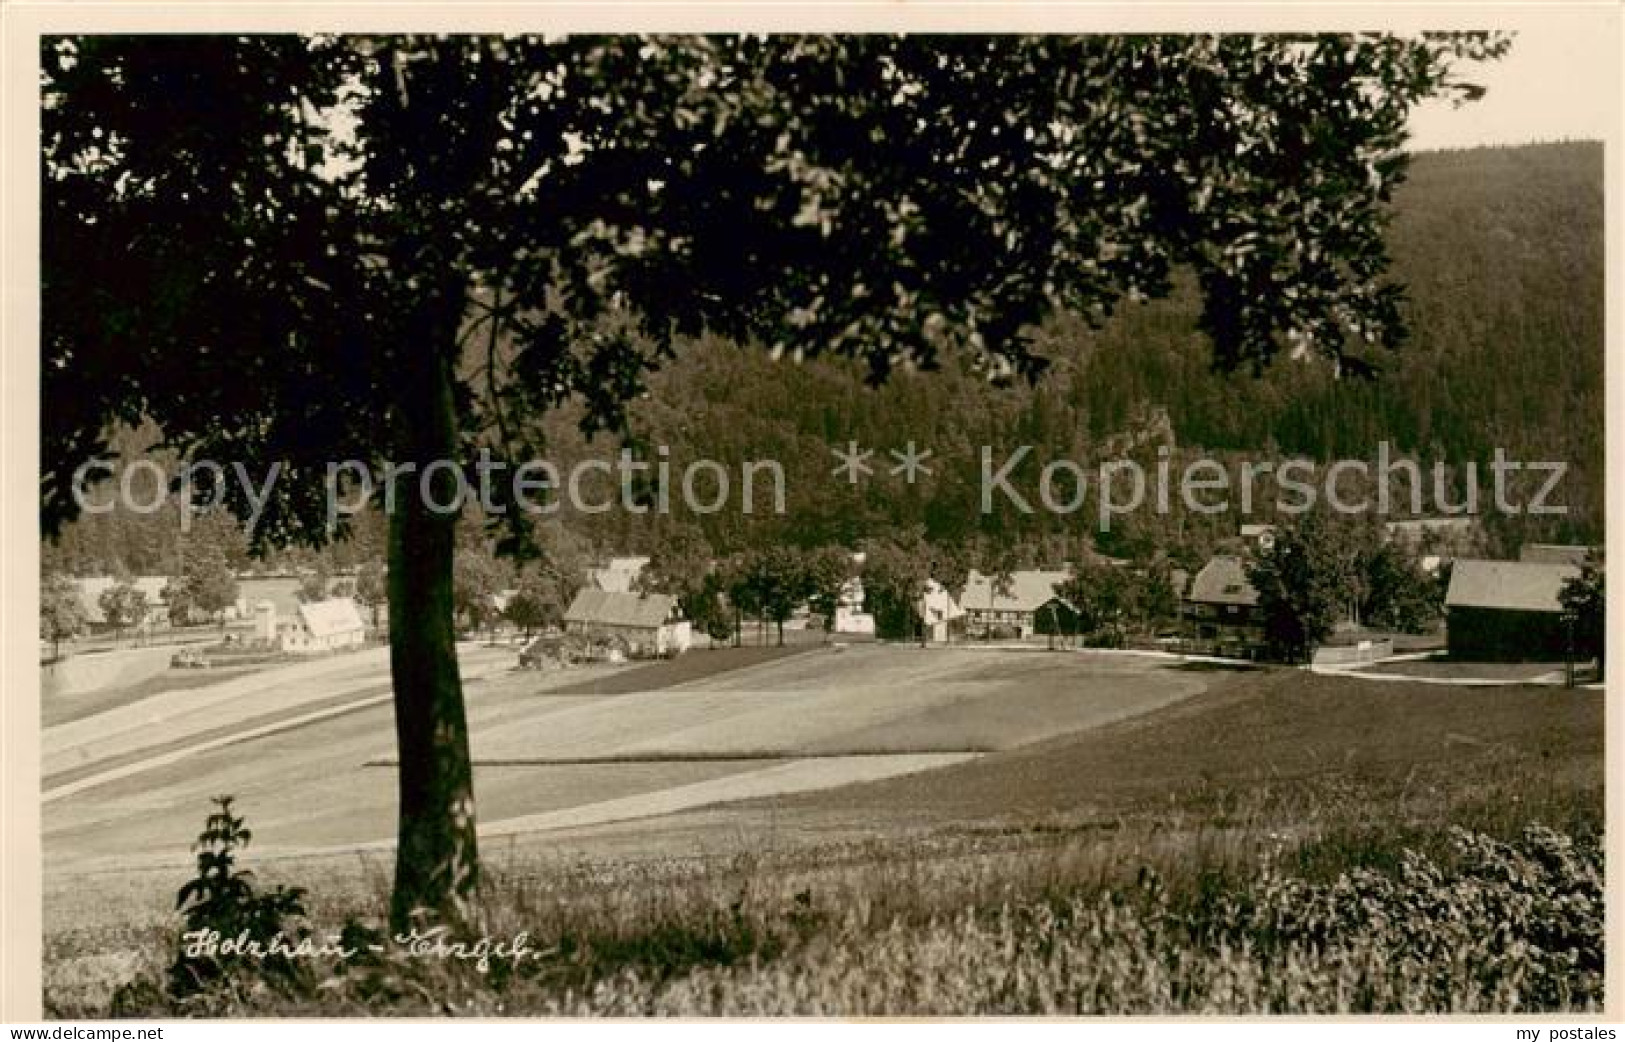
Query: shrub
(221, 904)
(1495, 928)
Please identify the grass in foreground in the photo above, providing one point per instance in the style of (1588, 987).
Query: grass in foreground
(1111, 920)
(1490, 927)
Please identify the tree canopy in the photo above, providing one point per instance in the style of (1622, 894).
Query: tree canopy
(221, 254)
(62, 611)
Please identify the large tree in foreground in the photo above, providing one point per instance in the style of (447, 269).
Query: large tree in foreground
(507, 224)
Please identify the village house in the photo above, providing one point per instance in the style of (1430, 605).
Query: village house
(1221, 607)
(1258, 537)
(649, 624)
(1058, 618)
(851, 616)
(1507, 611)
(1014, 611)
(940, 614)
(320, 626)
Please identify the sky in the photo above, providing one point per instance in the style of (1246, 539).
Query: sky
(1556, 83)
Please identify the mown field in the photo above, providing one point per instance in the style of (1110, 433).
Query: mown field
(1279, 842)
(309, 748)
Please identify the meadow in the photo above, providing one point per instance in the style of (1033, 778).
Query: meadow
(1281, 842)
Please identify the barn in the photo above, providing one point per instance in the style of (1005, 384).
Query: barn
(1057, 617)
(1507, 611)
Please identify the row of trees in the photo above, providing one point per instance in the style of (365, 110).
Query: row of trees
(1112, 601)
(770, 584)
(718, 592)
(202, 589)
(62, 613)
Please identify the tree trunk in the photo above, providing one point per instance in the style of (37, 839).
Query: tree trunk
(437, 861)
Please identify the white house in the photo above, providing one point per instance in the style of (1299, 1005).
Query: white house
(319, 626)
(850, 615)
(939, 611)
(991, 606)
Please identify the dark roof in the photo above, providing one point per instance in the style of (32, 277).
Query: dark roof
(1508, 585)
(641, 611)
(1223, 580)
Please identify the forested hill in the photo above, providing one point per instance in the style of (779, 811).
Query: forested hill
(1502, 251)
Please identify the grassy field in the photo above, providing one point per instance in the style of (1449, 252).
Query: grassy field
(831, 717)
(699, 664)
(1269, 844)
(66, 710)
